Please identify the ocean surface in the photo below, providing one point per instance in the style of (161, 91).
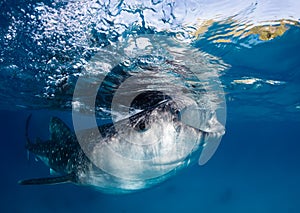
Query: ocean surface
(250, 48)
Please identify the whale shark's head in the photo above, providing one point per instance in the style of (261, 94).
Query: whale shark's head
(144, 149)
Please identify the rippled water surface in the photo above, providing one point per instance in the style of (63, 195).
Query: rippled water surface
(250, 48)
(45, 45)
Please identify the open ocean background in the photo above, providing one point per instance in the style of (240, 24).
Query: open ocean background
(256, 168)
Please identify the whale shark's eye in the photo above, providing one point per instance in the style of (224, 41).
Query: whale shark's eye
(142, 126)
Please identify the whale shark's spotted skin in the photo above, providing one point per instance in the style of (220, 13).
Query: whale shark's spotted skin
(62, 153)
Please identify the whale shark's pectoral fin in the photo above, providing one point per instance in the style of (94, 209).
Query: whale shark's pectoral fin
(49, 180)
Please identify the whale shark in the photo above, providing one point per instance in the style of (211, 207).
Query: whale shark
(134, 153)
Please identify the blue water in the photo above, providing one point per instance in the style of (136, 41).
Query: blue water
(255, 168)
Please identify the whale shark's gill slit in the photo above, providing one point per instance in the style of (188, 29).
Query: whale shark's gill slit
(49, 180)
